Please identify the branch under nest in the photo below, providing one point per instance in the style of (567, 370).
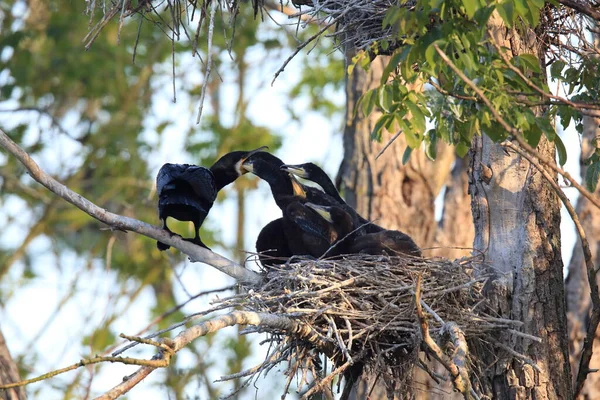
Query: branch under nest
(361, 312)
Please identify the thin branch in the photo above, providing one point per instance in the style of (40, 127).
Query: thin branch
(265, 320)
(460, 378)
(581, 7)
(211, 28)
(119, 222)
(532, 85)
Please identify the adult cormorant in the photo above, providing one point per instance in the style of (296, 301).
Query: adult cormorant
(187, 192)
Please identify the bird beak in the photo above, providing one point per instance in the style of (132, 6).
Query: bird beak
(244, 167)
(295, 170)
(322, 211)
(297, 186)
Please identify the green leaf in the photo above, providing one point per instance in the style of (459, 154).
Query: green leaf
(471, 6)
(378, 128)
(531, 61)
(591, 176)
(462, 149)
(561, 150)
(507, 12)
(412, 138)
(406, 155)
(533, 135)
(417, 119)
(557, 68)
(431, 149)
(386, 97)
(544, 124)
(367, 102)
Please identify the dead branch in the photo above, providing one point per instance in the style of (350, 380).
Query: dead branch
(119, 222)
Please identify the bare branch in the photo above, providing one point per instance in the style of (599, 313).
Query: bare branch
(119, 222)
(459, 372)
(265, 320)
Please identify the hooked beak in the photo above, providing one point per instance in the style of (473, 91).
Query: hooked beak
(244, 167)
(295, 170)
(322, 211)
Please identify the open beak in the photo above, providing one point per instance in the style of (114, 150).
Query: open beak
(295, 170)
(322, 211)
(297, 186)
(244, 167)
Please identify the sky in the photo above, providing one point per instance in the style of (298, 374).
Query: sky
(29, 318)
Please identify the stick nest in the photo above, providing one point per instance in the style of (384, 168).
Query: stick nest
(361, 310)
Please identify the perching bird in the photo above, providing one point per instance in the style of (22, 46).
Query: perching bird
(187, 192)
(314, 173)
(386, 242)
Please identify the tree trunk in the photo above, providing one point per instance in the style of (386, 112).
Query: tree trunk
(456, 231)
(517, 225)
(9, 373)
(577, 286)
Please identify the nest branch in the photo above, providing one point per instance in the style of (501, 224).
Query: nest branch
(456, 365)
(122, 223)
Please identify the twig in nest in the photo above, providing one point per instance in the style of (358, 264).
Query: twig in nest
(460, 377)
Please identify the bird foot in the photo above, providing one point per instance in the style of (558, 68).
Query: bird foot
(163, 246)
(197, 242)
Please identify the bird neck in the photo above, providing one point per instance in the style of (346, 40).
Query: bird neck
(224, 177)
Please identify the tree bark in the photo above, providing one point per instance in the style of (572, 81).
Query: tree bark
(517, 225)
(9, 373)
(577, 286)
(456, 231)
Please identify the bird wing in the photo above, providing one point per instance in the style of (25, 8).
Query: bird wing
(200, 179)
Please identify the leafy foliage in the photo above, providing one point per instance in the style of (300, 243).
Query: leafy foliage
(462, 30)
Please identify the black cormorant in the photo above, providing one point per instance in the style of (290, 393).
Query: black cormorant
(386, 242)
(272, 245)
(187, 192)
(341, 225)
(314, 173)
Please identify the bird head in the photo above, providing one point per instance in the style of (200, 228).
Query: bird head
(229, 167)
(300, 170)
(323, 211)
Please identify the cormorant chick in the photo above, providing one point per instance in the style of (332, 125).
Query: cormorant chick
(385, 242)
(340, 226)
(314, 173)
(272, 245)
(187, 192)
